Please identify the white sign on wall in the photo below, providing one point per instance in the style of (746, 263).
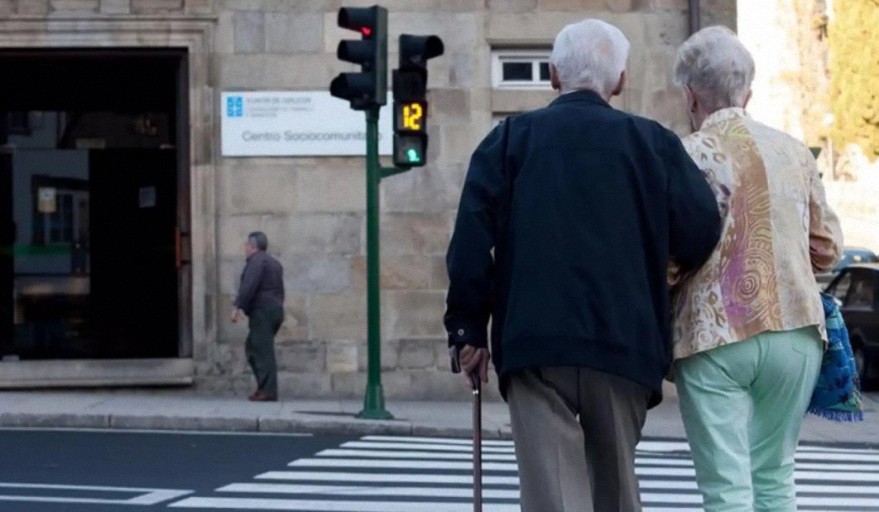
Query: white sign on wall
(296, 123)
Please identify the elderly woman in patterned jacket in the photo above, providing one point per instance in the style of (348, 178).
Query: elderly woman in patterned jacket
(749, 326)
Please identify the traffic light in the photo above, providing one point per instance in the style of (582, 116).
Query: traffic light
(369, 87)
(410, 103)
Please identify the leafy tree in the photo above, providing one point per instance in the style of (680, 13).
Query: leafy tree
(854, 74)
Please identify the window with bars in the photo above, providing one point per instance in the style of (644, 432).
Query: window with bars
(521, 69)
(67, 224)
(63, 217)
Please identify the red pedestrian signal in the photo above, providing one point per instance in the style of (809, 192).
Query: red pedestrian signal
(369, 87)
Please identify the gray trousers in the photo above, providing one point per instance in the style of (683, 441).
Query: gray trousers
(260, 347)
(575, 432)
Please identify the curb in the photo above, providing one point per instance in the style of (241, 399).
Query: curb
(54, 420)
(317, 425)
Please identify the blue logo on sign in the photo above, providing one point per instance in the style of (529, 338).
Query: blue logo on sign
(235, 106)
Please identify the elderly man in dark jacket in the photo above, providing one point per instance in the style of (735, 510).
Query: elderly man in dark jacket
(261, 297)
(567, 221)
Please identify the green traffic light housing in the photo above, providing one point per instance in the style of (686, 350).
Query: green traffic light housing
(410, 102)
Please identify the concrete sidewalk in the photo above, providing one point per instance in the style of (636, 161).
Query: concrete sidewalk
(184, 409)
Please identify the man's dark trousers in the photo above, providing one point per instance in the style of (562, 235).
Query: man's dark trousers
(260, 347)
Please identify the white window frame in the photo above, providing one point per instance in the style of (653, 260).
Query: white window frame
(534, 56)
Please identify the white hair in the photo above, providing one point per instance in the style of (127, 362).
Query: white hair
(717, 67)
(590, 54)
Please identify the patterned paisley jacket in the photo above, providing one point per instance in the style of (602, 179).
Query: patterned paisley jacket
(777, 231)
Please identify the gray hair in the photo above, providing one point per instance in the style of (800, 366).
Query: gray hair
(259, 240)
(717, 67)
(590, 54)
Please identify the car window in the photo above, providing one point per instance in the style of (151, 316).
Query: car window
(861, 292)
(840, 289)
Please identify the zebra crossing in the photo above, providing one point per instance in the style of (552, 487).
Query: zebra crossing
(431, 474)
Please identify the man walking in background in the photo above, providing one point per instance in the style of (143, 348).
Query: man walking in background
(261, 298)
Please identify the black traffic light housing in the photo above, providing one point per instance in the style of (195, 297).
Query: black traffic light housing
(410, 102)
(369, 87)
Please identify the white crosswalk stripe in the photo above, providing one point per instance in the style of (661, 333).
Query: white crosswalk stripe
(432, 474)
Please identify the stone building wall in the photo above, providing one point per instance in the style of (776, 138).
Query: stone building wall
(313, 208)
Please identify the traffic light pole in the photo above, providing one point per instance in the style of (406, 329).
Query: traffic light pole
(367, 91)
(374, 401)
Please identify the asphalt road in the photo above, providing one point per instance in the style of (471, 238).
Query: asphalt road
(113, 470)
(128, 465)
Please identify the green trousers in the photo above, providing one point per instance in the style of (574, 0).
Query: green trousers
(743, 406)
(260, 347)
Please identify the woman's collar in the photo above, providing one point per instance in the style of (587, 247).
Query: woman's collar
(724, 114)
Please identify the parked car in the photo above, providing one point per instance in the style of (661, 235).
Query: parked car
(857, 290)
(850, 256)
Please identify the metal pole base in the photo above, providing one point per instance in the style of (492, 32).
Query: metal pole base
(374, 405)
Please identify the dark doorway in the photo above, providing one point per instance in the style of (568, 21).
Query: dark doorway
(133, 196)
(93, 203)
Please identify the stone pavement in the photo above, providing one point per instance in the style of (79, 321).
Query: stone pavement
(185, 409)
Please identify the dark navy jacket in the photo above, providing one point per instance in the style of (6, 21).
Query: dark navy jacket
(582, 214)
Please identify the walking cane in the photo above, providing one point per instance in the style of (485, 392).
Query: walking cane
(477, 428)
(477, 443)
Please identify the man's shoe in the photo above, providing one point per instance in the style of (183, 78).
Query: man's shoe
(259, 396)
